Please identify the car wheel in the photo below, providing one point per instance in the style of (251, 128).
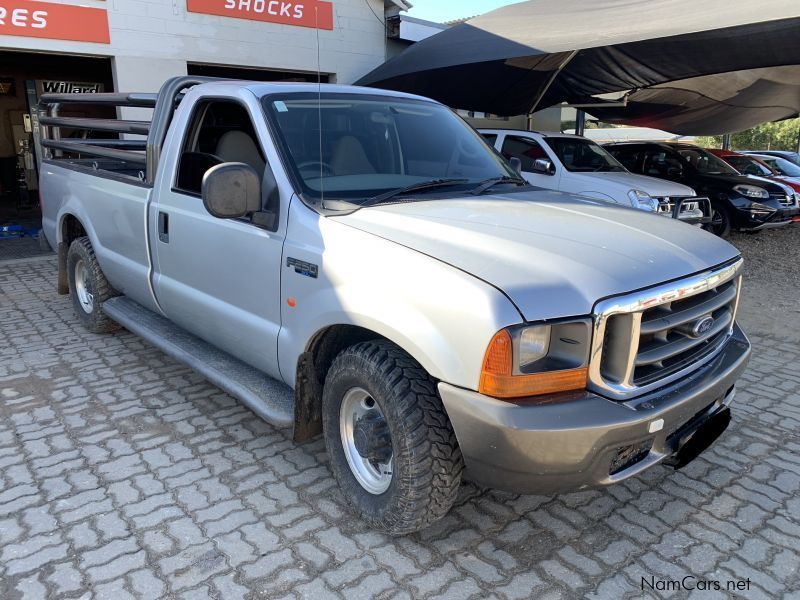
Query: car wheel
(720, 224)
(391, 445)
(88, 287)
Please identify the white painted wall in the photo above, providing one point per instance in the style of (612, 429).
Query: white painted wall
(153, 39)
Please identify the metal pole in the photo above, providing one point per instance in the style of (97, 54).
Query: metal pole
(726, 141)
(580, 122)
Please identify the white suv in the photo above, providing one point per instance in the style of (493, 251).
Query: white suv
(577, 165)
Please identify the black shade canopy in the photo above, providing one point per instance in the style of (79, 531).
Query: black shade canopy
(542, 52)
(713, 104)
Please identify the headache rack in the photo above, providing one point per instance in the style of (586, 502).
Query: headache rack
(132, 157)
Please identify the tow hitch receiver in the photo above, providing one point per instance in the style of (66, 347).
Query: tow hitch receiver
(690, 442)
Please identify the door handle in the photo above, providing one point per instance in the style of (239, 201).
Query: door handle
(163, 227)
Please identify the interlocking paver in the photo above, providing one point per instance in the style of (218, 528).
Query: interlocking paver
(122, 473)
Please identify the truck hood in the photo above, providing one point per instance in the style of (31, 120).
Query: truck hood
(625, 182)
(554, 255)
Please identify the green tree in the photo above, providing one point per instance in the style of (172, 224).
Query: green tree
(780, 135)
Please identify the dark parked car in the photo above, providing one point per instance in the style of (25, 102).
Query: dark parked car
(785, 154)
(737, 201)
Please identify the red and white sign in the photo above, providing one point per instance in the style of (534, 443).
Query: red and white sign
(54, 21)
(303, 13)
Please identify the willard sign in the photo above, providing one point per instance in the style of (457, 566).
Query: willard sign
(303, 13)
(53, 21)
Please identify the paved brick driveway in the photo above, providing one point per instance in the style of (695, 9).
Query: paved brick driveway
(124, 474)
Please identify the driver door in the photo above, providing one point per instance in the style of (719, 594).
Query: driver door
(216, 278)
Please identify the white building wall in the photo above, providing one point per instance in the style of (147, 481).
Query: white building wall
(153, 39)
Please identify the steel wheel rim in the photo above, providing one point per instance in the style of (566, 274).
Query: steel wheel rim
(85, 297)
(375, 478)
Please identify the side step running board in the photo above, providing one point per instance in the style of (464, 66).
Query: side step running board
(270, 399)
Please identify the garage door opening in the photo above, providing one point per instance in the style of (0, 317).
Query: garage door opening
(24, 77)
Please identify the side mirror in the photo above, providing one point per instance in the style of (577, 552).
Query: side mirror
(231, 190)
(674, 171)
(543, 166)
(516, 164)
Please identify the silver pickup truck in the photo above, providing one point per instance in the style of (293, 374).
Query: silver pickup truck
(436, 317)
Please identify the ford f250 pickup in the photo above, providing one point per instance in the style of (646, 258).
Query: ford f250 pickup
(435, 316)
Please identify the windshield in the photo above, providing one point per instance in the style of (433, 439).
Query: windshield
(781, 165)
(705, 162)
(578, 154)
(370, 145)
(748, 166)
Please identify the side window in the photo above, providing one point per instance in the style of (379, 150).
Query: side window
(490, 138)
(219, 131)
(525, 149)
(629, 157)
(659, 164)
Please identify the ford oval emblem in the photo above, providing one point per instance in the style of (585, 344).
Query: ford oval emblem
(702, 326)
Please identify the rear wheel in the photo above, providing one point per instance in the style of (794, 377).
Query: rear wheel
(391, 446)
(88, 287)
(720, 224)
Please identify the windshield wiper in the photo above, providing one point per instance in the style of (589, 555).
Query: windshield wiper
(417, 187)
(490, 183)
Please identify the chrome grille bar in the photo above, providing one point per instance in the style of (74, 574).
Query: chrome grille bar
(640, 340)
(669, 320)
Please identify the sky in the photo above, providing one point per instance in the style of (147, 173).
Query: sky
(448, 10)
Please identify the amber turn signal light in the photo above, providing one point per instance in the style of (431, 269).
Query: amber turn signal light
(497, 378)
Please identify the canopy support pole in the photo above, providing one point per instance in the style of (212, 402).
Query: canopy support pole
(726, 141)
(547, 85)
(580, 122)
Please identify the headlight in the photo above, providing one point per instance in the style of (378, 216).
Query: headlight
(531, 360)
(643, 200)
(751, 191)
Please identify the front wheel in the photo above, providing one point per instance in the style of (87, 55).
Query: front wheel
(720, 224)
(391, 446)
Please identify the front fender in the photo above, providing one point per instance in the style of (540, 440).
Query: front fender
(441, 316)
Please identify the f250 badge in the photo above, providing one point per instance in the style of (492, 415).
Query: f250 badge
(303, 268)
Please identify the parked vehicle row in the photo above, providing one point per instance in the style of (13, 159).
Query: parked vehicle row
(738, 201)
(436, 315)
(680, 180)
(576, 165)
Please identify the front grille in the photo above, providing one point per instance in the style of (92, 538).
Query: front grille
(667, 342)
(647, 339)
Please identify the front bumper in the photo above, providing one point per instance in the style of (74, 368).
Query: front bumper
(780, 218)
(580, 440)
